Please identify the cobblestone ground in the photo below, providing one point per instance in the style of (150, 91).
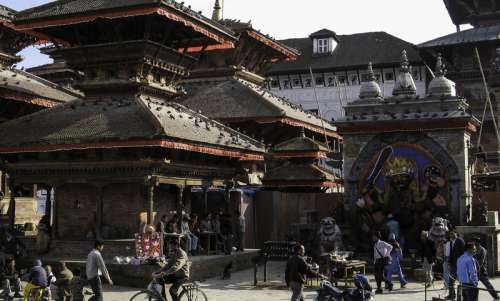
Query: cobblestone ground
(240, 288)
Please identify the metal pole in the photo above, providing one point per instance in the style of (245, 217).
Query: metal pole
(313, 82)
(486, 90)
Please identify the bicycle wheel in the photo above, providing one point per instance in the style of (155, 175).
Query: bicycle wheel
(146, 295)
(192, 294)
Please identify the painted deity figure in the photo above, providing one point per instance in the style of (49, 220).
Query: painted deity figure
(330, 235)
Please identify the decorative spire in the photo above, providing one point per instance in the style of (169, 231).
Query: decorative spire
(370, 88)
(405, 64)
(441, 86)
(302, 133)
(371, 74)
(440, 68)
(217, 14)
(405, 85)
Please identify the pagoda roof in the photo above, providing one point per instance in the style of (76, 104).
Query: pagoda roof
(6, 13)
(124, 122)
(471, 11)
(473, 35)
(19, 85)
(300, 144)
(236, 99)
(291, 174)
(246, 27)
(380, 48)
(66, 12)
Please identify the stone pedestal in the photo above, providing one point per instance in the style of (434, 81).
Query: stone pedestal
(490, 239)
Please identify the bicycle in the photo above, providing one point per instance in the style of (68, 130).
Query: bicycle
(190, 291)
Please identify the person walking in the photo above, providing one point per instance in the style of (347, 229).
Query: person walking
(382, 256)
(467, 273)
(428, 257)
(457, 249)
(63, 282)
(95, 268)
(296, 273)
(394, 267)
(481, 258)
(240, 227)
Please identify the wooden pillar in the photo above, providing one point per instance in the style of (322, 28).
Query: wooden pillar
(12, 205)
(54, 216)
(151, 203)
(228, 197)
(205, 199)
(48, 206)
(100, 213)
(180, 205)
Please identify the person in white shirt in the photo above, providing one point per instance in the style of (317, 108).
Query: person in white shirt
(95, 268)
(382, 254)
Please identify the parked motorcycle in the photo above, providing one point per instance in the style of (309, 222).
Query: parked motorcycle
(362, 291)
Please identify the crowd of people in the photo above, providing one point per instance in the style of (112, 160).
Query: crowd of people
(228, 230)
(452, 258)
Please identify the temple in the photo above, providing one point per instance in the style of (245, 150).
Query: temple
(408, 155)
(22, 93)
(124, 153)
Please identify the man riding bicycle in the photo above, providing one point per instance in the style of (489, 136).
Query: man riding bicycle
(175, 272)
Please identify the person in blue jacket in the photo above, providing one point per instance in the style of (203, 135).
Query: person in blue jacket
(394, 267)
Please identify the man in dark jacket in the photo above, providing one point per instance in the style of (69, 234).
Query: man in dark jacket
(457, 249)
(428, 257)
(296, 273)
(482, 261)
(64, 277)
(226, 231)
(37, 281)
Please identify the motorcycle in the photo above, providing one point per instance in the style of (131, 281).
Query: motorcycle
(362, 291)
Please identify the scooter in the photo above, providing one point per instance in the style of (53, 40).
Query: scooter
(362, 292)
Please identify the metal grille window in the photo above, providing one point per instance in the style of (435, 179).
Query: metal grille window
(322, 45)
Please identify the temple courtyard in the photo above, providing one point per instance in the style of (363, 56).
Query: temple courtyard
(241, 288)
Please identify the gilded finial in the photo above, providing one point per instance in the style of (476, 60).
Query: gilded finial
(217, 14)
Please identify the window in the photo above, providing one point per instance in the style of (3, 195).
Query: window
(308, 82)
(286, 84)
(416, 74)
(354, 80)
(296, 82)
(322, 45)
(274, 83)
(341, 79)
(320, 81)
(389, 76)
(331, 81)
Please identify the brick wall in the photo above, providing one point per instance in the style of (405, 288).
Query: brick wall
(123, 207)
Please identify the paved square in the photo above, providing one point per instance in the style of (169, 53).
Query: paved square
(240, 288)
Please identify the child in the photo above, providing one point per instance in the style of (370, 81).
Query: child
(51, 289)
(77, 286)
(395, 265)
